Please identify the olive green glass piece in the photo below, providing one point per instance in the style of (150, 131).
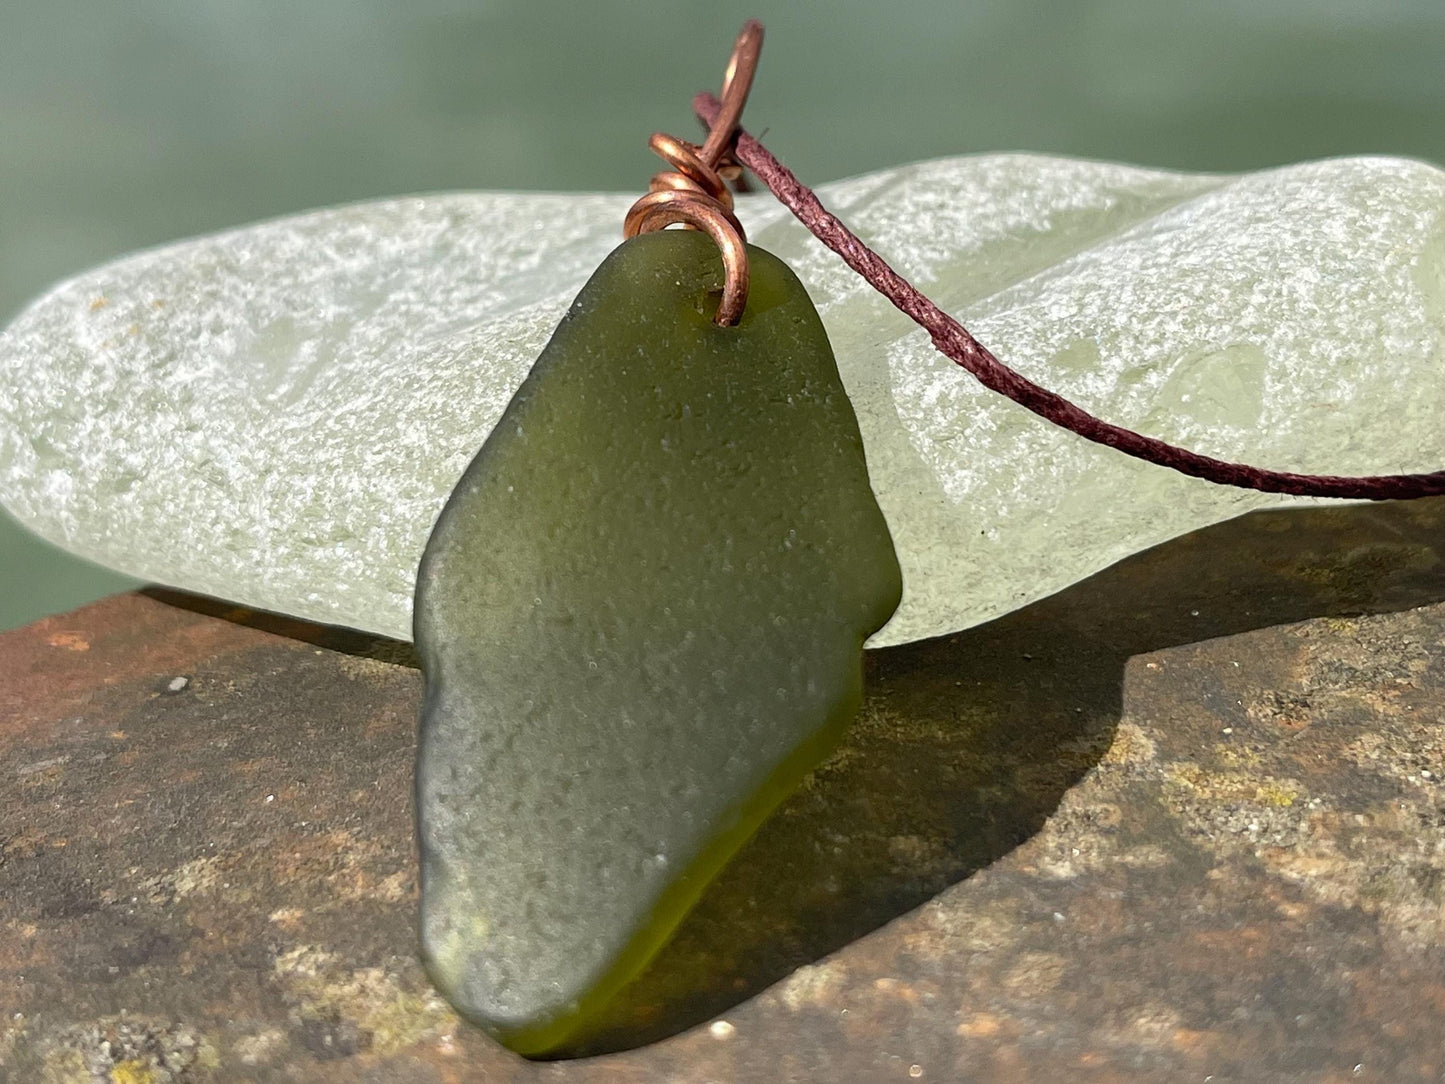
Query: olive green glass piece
(641, 616)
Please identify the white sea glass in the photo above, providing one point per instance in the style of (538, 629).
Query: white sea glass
(275, 415)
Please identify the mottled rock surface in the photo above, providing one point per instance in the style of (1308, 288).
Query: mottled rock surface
(276, 414)
(1183, 819)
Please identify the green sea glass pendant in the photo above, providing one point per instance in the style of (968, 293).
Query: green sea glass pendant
(641, 616)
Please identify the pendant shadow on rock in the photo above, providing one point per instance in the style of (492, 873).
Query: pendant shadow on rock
(966, 744)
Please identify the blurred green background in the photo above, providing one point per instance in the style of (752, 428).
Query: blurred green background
(125, 125)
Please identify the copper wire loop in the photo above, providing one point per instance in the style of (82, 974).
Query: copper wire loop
(693, 192)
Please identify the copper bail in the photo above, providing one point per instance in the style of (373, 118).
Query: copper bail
(693, 191)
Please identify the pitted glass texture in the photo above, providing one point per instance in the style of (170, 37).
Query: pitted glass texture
(641, 616)
(275, 415)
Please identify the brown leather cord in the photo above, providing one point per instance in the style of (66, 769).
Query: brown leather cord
(954, 340)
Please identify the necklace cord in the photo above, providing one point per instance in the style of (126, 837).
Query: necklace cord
(954, 340)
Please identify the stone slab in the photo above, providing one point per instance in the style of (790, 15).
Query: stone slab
(1182, 820)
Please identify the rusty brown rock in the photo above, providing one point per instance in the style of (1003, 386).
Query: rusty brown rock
(1186, 818)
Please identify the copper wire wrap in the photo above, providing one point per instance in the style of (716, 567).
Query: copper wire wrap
(694, 193)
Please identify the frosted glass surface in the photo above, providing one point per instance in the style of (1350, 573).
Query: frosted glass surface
(275, 415)
(641, 617)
